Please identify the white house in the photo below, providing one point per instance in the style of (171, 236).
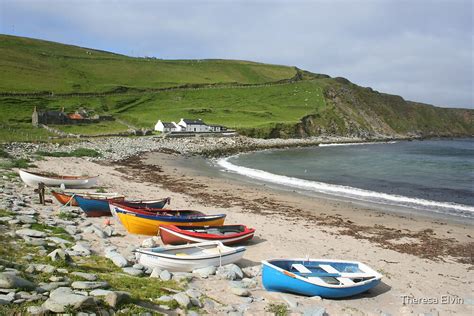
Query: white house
(166, 127)
(197, 126)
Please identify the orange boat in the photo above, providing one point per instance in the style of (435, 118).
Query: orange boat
(68, 198)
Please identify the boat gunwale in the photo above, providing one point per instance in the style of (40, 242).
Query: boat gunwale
(41, 175)
(223, 238)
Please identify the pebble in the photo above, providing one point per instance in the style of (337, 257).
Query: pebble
(9, 281)
(85, 276)
(205, 272)
(240, 291)
(182, 299)
(89, 285)
(165, 275)
(63, 298)
(133, 271)
(30, 233)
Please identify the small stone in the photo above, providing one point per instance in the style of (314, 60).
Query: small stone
(252, 272)
(205, 272)
(240, 291)
(138, 266)
(59, 254)
(81, 249)
(119, 260)
(182, 299)
(56, 278)
(109, 231)
(9, 281)
(87, 285)
(150, 242)
(155, 273)
(63, 298)
(165, 298)
(85, 276)
(26, 219)
(315, 311)
(116, 298)
(165, 275)
(57, 240)
(182, 276)
(30, 233)
(133, 271)
(99, 292)
(36, 310)
(193, 293)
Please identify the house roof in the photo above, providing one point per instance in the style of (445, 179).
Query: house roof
(75, 116)
(194, 122)
(52, 113)
(168, 125)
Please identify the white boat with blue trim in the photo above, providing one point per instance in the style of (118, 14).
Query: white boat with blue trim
(186, 258)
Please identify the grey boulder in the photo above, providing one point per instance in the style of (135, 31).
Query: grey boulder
(63, 298)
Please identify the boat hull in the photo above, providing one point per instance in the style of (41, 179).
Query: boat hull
(141, 224)
(65, 198)
(188, 264)
(278, 280)
(173, 235)
(95, 207)
(33, 179)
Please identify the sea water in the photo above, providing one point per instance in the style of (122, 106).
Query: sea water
(434, 176)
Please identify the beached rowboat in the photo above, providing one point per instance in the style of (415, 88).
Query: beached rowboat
(77, 182)
(187, 258)
(318, 277)
(94, 207)
(68, 197)
(227, 234)
(139, 221)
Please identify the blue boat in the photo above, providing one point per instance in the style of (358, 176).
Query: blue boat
(318, 277)
(94, 207)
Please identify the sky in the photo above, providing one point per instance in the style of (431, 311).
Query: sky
(419, 49)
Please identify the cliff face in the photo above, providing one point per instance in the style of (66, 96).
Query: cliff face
(356, 111)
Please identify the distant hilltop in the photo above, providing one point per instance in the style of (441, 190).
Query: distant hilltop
(258, 100)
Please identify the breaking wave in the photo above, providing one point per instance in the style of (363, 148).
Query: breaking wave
(448, 208)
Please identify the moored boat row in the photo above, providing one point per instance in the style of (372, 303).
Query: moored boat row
(196, 240)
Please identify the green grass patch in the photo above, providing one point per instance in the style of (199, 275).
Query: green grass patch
(6, 213)
(16, 163)
(139, 288)
(277, 309)
(79, 152)
(102, 128)
(53, 230)
(65, 215)
(4, 153)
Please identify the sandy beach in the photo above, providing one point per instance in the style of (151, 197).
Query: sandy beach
(426, 262)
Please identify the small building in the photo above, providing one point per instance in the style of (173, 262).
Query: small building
(49, 117)
(217, 128)
(197, 126)
(166, 127)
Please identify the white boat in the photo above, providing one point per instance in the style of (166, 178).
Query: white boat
(74, 182)
(187, 258)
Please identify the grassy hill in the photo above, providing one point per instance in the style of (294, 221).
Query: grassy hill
(257, 99)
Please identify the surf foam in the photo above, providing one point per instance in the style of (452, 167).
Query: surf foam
(350, 192)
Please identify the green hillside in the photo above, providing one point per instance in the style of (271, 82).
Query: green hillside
(257, 99)
(30, 65)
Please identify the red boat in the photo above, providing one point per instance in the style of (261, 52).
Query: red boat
(227, 234)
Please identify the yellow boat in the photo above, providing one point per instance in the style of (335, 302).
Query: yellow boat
(147, 221)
